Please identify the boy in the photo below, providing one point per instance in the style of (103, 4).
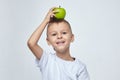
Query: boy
(59, 65)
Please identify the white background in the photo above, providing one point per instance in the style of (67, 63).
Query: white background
(95, 23)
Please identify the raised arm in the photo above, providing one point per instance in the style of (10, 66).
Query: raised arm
(34, 38)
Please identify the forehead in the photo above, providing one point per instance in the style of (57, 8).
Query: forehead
(58, 26)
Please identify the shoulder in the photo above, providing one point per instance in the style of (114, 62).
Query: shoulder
(82, 72)
(81, 65)
(45, 57)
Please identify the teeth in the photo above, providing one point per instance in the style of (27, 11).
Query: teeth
(60, 42)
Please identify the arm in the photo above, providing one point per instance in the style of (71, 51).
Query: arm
(34, 38)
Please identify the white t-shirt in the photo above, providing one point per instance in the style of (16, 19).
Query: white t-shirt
(55, 68)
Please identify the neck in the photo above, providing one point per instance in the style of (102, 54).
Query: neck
(65, 55)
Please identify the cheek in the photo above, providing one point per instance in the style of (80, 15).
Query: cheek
(51, 39)
(70, 38)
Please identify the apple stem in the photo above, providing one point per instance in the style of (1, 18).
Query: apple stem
(59, 6)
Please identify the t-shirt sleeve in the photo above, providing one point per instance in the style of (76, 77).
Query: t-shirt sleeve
(83, 74)
(43, 60)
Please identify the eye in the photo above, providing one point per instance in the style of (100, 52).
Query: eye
(64, 33)
(54, 34)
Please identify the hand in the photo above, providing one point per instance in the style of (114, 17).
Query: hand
(50, 14)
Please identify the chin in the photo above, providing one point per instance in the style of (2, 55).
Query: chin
(61, 50)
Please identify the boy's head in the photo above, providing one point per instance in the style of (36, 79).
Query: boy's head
(59, 34)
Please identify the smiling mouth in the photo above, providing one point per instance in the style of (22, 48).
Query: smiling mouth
(60, 43)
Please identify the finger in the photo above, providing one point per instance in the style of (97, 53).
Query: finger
(52, 15)
(55, 12)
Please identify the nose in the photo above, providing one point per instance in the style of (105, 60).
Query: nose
(59, 36)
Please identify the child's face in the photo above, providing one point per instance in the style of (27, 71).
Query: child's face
(60, 36)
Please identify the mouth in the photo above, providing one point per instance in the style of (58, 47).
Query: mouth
(60, 42)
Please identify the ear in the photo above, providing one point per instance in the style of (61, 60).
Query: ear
(72, 38)
(48, 41)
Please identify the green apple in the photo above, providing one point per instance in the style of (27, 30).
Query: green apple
(59, 13)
